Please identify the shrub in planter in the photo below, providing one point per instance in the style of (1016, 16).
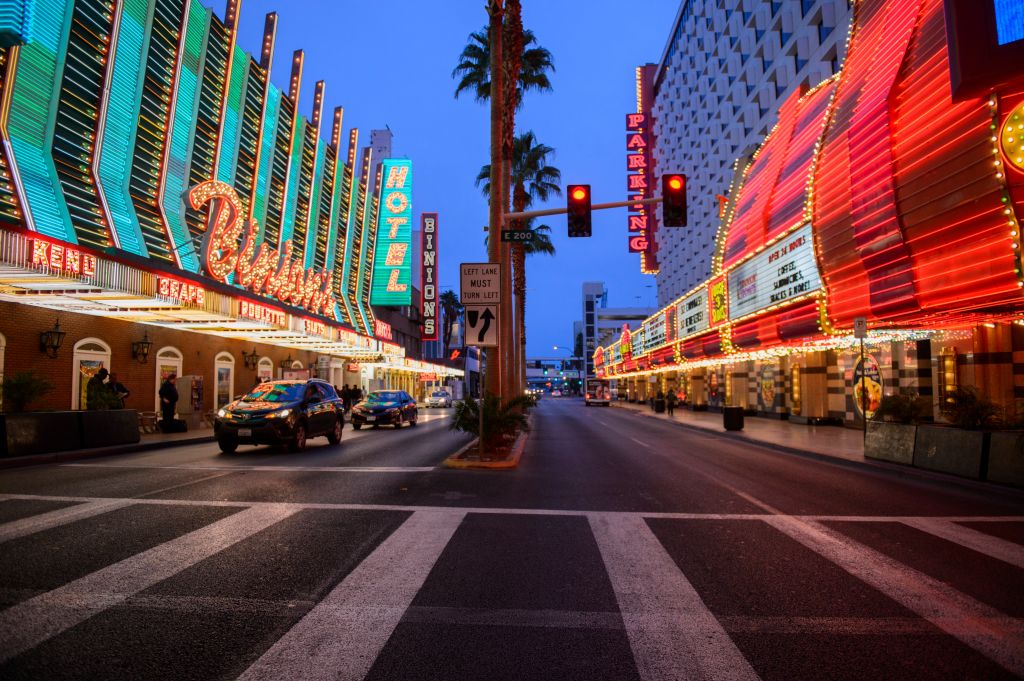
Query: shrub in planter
(22, 389)
(970, 409)
(892, 432)
(502, 421)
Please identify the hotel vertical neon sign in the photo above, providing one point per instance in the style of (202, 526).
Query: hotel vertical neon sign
(392, 266)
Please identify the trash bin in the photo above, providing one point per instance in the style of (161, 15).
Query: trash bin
(732, 418)
(659, 406)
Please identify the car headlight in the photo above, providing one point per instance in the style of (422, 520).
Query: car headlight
(284, 413)
(393, 410)
(222, 412)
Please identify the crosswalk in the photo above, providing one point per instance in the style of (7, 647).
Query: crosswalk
(411, 577)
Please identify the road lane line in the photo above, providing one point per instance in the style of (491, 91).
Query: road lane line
(62, 516)
(513, 617)
(34, 621)
(342, 636)
(640, 442)
(975, 624)
(186, 484)
(671, 631)
(998, 548)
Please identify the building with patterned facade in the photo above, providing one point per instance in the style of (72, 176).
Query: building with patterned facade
(726, 68)
(156, 186)
(888, 196)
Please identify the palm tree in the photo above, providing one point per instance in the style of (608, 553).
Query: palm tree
(528, 63)
(450, 308)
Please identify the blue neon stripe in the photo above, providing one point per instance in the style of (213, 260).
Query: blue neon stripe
(259, 208)
(232, 115)
(314, 221)
(294, 168)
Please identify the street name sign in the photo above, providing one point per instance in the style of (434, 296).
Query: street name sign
(482, 325)
(481, 283)
(517, 235)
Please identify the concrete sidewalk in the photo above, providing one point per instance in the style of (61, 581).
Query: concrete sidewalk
(147, 442)
(834, 442)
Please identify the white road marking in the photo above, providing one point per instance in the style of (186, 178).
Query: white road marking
(513, 617)
(640, 442)
(998, 548)
(671, 631)
(297, 506)
(974, 623)
(843, 626)
(342, 636)
(186, 484)
(62, 516)
(28, 624)
(268, 469)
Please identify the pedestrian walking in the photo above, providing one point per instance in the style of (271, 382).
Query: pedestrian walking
(357, 394)
(97, 394)
(346, 397)
(118, 393)
(168, 401)
(671, 402)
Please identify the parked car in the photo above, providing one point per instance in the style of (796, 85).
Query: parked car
(439, 398)
(385, 407)
(281, 413)
(556, 393)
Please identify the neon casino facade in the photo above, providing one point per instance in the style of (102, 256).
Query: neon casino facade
(181, 199)
(892, 191)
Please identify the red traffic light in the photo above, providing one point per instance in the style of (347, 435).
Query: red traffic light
(579, 193)
(578, 209)
(673, 200)
(675, 182)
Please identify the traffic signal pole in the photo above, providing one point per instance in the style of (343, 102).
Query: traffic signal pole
(496, 368)
(563, 211)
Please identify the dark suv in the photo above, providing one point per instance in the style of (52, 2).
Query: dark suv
(281, 413)
(388, 407)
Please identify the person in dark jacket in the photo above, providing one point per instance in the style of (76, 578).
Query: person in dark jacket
(357, 394)
(168, 401)
(118, 392)
(346, 397)
(97, 394)
(671, 401)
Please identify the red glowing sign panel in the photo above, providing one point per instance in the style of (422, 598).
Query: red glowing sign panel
(181, 291)
(382, 330)
(428, 275)
(63, 259)
(262, 313)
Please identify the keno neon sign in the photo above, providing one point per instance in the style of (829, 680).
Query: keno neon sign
(229, 248)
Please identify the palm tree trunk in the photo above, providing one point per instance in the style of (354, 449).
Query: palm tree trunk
(519, 260)
(513, 45)
(494, 377)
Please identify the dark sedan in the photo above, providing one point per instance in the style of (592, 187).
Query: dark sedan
(385, 407)
(281, 413)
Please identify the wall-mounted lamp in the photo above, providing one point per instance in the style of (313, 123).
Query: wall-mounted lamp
(286, 363)
(140, 349)
(251, 360)
(50, 341)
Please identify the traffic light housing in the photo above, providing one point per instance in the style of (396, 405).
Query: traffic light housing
(673, 200)
(578, 205)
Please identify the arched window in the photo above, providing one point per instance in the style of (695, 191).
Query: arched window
(224, 375)
(296, 364)
(90, 355)
(168, 361)
(265, 369)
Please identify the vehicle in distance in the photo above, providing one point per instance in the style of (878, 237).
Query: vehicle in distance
(597, 391)
(556, 393)
(439, 398)
(385, 407)
(281, 413)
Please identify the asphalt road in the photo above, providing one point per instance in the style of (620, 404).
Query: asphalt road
(621, 548)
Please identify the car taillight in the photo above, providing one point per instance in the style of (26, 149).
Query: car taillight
(588, 396)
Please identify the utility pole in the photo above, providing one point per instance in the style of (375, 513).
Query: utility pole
(495, 9)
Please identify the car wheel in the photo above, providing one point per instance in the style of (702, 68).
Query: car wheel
(334, 437)
(356, 426)
(412, 423)
(398, 423)
(298, 442)
(227, 446)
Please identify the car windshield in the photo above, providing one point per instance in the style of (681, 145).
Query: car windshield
(384, 397)
(276, 392)
(439, 393)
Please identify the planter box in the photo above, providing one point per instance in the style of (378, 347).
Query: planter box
(39, 432)
(890, 442)
(952, 450)
(1006, 458)
(109, 427)
(44, 432)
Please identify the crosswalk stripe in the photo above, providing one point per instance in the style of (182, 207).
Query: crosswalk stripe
(61, 516)
(342, 636)
(672, 632)
(973, 623)
(32, 622)
(998, 548)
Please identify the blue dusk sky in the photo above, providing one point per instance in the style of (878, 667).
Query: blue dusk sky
(390, 63)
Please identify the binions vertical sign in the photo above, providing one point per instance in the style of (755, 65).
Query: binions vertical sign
(392, 260)
(640, 169)
(428, 274)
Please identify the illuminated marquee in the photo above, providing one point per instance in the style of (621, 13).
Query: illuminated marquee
(382, 330)
(392, 262)
(774, 276)
(262, 313)
(428, 275)
(181, 291)
(61, 258)
(262, 271)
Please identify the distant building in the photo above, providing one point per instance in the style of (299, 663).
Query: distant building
(602, 323)
(726, 68)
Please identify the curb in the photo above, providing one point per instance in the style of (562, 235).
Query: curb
(511, 462)
(864, 465)
(76, 455)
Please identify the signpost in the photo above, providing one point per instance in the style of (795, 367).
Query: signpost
(480, 292)
(517, 235)
(860, 330)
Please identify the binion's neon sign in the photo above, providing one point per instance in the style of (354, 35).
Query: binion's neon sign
(229, 248)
